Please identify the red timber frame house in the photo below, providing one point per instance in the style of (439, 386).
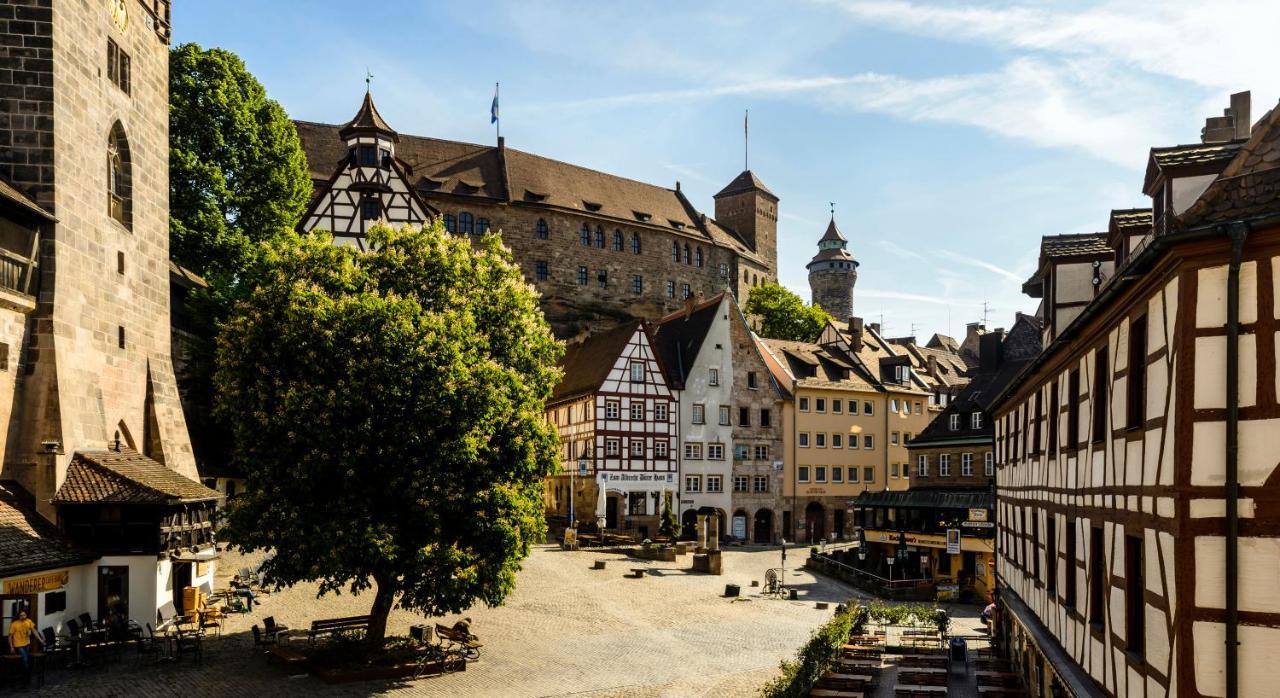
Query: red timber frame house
(617, 418)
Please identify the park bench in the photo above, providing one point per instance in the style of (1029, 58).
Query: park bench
(463, 643)
(329, 626)
(285, 654)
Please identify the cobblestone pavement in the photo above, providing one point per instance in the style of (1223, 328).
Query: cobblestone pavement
(565, 630)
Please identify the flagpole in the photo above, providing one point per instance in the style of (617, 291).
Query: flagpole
(497, 122)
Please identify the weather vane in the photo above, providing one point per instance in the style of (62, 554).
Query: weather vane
(833, 209)
(368, 78)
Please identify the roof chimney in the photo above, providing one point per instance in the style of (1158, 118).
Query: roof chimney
(875, 327)
(855, 333)
(989, 350)
(1234, 124)
(688, 306)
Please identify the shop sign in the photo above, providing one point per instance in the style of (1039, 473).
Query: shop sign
(948, 592)
(41, 582)
(977, 524)
(978, 515)
(953, 541)
(637, 477)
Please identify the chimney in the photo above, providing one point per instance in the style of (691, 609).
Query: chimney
(688, 306)
(1234, 123)
(875, 327)
(933, 366)
(989, 350)
(855, 333)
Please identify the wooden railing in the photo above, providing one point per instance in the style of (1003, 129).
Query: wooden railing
(14, 270)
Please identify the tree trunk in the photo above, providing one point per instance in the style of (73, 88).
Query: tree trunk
(383, 599)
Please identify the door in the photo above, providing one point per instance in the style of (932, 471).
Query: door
(763, 532)
(113, 594)
(181, 580)
(814, 522)
(689, 524)
(838, 524)
(611, 512)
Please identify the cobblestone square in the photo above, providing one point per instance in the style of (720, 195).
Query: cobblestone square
(566, 630)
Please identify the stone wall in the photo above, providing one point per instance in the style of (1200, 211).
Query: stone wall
(833, 290)
(26, 97)
(955, 479)
(84, 386)
(764, 396)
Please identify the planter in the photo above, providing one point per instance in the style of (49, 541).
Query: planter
(382, 673)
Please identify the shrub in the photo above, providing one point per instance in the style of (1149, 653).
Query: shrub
(813, 659)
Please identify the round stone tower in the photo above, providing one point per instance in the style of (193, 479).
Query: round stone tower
(832, 274)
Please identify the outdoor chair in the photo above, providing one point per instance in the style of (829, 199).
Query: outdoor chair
(210, 619)
(270, 627)
(260, 640)
(86, 620)
(191, 643)
(73, 628)
(150, 645)
(55, 646)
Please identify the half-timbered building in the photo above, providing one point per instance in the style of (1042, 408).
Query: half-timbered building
(600, 248)
(617, 418)
(1136, 467)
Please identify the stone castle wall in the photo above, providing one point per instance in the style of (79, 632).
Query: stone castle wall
(833, 291)
(747, 361)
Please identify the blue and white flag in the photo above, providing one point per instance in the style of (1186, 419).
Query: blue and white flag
(493, 108)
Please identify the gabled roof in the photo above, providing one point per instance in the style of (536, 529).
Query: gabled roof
(678, 337)
(587, 363)
(1075, 245)
(745, 181)
(1247, 186)
(1191, 156)
(126, 477)
(944, 342)
(829, 367)
(29, 543)
(367, 119)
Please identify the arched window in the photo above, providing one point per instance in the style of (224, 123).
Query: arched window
(698, 257)
(466, 223)
(482, 226)
(119, 177)
(586, 235)
(600, 237)
(541, 231)
(617, 240)
(688, 257)
(451, 222)
(675, 252)
(746, 276)
(635, 243)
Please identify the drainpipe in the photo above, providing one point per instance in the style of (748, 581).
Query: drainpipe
(1237, 232)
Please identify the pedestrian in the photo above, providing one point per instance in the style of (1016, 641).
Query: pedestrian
(242, 589)
(463, 626)
(21, 630)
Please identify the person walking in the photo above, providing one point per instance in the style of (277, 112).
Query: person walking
(21, 630)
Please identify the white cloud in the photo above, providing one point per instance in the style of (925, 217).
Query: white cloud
(981, 264)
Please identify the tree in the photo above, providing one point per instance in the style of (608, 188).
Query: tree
(783, 315)
(669, 525)
(387, 408)
(237, 173)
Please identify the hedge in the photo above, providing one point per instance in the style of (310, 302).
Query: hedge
(813, 659)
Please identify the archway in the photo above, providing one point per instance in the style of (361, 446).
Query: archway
(815, 522)
(763, 529)
(689, 524)
(738, 525)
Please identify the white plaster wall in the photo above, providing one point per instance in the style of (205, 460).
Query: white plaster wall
(1257, 451)
(1187, 189)
(698, 390)
(1259, 648)
(143, 587)
(1211, 372)
(1211, 295)
(1258, 562)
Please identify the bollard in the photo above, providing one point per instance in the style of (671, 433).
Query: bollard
(732, 590)
(599, 565)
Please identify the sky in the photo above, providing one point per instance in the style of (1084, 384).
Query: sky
(950, 137)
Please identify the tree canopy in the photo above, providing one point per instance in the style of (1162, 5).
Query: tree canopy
(783, 315)
(237, 173)
(387, 408)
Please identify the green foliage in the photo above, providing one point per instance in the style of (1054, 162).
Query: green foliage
(783, 315)
(813, 659)
(237, 173)
(907, 614)
(387, 408)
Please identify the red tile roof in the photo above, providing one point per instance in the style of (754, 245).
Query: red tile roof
(126, 477)
(29, 543)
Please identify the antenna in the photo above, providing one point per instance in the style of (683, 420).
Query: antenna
(913, 330)
(985, 311)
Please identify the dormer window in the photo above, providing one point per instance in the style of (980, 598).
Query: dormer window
(385, 159)
(367, 156)
(591, 205)
(642, 216)
(975, 420)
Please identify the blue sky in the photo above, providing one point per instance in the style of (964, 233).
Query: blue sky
(951, 136)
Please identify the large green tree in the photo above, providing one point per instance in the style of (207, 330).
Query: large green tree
(387, 409)
(237, 173)
(784, 315)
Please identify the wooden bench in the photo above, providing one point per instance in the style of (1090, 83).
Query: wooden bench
(329, 626)
(285, 654)
(907, 691)
(834, 693)
(845, 682)
(1001, 691)
(923, 677)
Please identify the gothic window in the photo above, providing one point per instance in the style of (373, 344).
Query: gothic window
(466, 223)
(635, 243)
(482, 226)
(119, 177)
(698, 258)
(602, 278)
(600, 237)
(450, 223)
(586, 235)
(617, 240)
(688, 256)
(675, 252)
(541, 231)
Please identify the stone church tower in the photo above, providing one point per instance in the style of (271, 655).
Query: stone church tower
(832, 274)
(750, 209)
(89, 122)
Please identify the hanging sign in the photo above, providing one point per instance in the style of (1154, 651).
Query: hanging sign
(953, 541)
(38, 583)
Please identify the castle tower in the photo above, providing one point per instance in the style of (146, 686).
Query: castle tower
(832, 274)
(370, 141)
(751, 210)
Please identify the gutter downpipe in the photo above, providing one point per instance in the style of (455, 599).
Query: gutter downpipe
(1237, 232)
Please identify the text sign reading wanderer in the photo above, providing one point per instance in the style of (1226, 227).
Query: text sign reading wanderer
(38, 583)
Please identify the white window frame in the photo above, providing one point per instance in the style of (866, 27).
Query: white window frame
(760, 483)
(893, 405)
(660, 412)
(820, 405)
(715, 451)
(692, 483)
(698, 414)
(922, 466)
(837, 405)
(868, 408)
(637, 371)
(713, 376)
(966, 464)
(869, 442)
(715, 483)
(741, 483)
(837, 440)
(637, 410)
(893, 438)
(804, 404)
(612, 447)
(724, 415)
(837, 474)
(692, 450)
(975, 420)
(869, 474)
(853, 474)
(989, 463)
(804, 439)
(944, 465)
(820, 474)
(820, 440)
(612, 409)
(761, 452)
(954, 422)
(802, 473)
(660, 448)
(636, 452)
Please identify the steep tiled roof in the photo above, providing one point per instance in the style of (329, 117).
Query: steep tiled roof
(126, 477)
(833, 232)
(944, 342)
(1204, 154)
(587, 363)
(28, 543)
(745, 181)
(1249, 187)
(1131, 217)
(679, 336)
(1078, 245)
(13, 195)
(367, 119)
(829, 368)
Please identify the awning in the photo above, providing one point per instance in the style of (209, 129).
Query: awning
(926, 499)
